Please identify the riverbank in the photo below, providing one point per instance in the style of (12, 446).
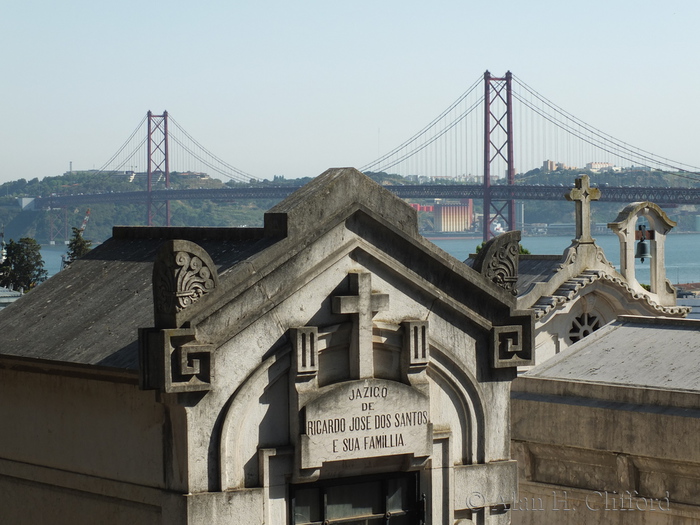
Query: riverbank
(682, 252)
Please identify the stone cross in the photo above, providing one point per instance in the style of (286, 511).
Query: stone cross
(583, 194)
(363, 305)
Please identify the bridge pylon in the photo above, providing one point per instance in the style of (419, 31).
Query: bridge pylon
(498, 147)
(58, 224)
(158, 168)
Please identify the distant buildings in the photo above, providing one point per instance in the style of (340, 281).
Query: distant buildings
(453, 217)
(8, 296)
(550, 165)
(596, 167)
(601, 166)
(421, 207)
(449, 217)
(160, 176)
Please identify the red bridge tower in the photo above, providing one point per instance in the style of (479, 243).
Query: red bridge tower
(158, 168)
(498, 144)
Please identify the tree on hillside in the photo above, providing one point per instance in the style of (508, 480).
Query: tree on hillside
(77, 246)
(24, 267)
(521, 249)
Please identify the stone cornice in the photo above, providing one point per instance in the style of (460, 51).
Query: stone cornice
(571, 289)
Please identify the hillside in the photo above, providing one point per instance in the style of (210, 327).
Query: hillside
(103, 217)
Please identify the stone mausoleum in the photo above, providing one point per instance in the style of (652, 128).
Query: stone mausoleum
(576, 293)
(607, 431)
(332, 367)
(605, 427)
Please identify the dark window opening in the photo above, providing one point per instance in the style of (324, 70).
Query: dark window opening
(583, 326)
(366, 500)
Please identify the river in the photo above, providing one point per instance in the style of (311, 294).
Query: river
(682, 253)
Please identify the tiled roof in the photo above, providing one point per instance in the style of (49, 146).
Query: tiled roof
(572, 288)
(90, 312)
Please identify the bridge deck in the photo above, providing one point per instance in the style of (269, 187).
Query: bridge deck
(422, 191)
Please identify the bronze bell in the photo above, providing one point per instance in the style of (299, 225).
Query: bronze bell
(642, 251)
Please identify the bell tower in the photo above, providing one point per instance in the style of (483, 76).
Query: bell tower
(628, 229)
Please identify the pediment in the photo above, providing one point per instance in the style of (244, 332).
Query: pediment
(334, 193)
(295, 279)
(605, 284)
(360, 243)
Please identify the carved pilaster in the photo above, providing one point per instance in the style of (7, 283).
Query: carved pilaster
(416, 343)
(305, 345)
(416, 352)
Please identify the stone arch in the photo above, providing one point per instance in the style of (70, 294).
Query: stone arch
(236, 470)
(457, 384)
(589, 313)
(461, 386)
(625, 227)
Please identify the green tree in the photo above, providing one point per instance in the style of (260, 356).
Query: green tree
(24, 267)
(77, 246)
(521, 250)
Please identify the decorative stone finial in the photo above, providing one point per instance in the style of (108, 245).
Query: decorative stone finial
(183, 273)
(498, 260)
(582, 195)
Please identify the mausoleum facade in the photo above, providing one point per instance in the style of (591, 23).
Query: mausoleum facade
(575, 294)
(332, 367)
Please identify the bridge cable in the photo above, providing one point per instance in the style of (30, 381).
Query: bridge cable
(112, 171)
(432, 139)
(239, 172)
(609, 138)
(205, 162)
(625, 154)
(425, 129)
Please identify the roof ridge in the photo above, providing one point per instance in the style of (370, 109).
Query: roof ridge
(568, 290)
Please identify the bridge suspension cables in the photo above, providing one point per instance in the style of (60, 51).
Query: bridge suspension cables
(544, 135)
(441, 149)
(185, 154)
(549, 132)
(510, 129)
(160, 148)
(190, 151)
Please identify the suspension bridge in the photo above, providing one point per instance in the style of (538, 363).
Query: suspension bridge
(498, 127)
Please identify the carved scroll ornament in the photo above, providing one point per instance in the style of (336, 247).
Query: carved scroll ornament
(183, 273)
(498, 260)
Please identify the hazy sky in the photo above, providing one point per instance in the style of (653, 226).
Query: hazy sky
(293, 88)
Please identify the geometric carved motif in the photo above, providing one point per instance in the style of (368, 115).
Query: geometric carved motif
(173, 361)
(305, 346)
(498, 260)
(183, 272)
(416, 344)
(508, 347)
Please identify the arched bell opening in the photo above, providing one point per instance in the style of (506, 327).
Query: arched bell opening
(642, 228)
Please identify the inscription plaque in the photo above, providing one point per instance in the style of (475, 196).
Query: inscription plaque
(363, 419)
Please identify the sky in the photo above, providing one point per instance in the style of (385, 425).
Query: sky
(293, 88)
